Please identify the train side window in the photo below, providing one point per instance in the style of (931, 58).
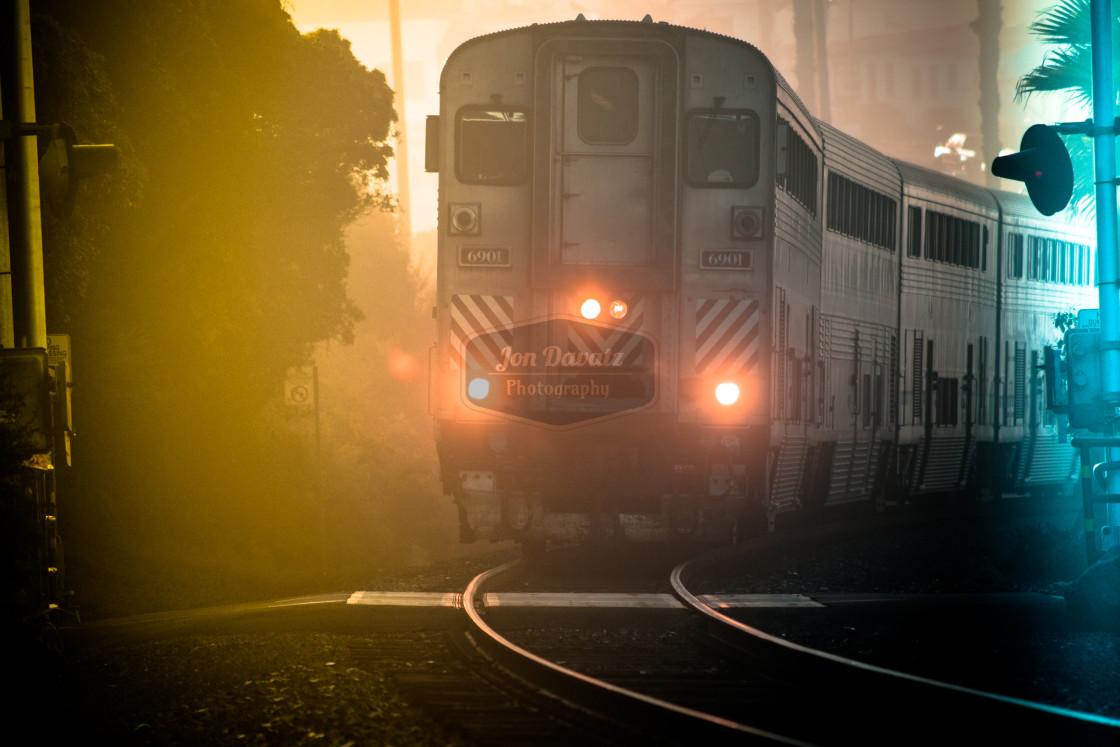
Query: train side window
(860, 213)
(913, 231)
(1014, 255)
(722, 148)
(954, 240)
(800, 176)
(608, 105)
(492, 146)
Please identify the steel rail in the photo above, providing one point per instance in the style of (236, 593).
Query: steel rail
(655, 716)
(938, 712)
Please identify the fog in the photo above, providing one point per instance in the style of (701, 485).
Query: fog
(242, 238)
(902, 75)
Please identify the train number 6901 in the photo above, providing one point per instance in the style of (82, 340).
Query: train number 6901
(484, 256)
(725, 260)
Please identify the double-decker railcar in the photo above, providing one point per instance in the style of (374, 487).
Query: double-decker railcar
(947, 325)
(671, 303)
(1047, 270)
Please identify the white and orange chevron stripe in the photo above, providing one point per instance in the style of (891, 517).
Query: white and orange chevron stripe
(727, 335)
(473, 314)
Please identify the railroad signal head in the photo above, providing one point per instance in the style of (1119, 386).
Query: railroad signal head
(65, 163)
(1043, 164)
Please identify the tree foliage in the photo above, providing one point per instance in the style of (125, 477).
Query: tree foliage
(212, 260)
(1068, 69)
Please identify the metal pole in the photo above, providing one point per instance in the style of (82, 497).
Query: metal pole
(1104, 156)
(7, 331)
(29, 307)
(319, 473)
(402, 123)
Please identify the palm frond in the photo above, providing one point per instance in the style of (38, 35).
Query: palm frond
(1069, 69)
(1068, 22)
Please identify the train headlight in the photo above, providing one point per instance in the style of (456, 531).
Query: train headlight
(590, 309)
(618, 309)
(727, 393)
(478, 389)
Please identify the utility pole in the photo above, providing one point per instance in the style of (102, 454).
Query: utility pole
(1090, 392)
(35, 426)
(402, 123)
(29, 308)
(1104, 158)
(31, 563)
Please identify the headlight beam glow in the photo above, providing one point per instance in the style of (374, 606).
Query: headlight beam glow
(727, 393)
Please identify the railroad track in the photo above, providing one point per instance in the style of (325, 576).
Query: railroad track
(706, 676)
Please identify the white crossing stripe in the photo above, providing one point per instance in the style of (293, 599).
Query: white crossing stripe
(406, 599)
(526, 599)
(738, 601)
(574, 600)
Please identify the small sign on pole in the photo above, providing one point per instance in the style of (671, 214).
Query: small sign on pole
(299, 387)
(62, 366)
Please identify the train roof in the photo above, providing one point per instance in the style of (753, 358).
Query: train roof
(1009, 204)
(944, 184)
(1016, 205)
(858, 160)
(1020, 207)
(606, 26)
(646, 24)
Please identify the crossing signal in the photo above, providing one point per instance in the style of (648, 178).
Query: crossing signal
(65, 163)
(1043, 164)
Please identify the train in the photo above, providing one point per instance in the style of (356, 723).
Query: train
(674, 305)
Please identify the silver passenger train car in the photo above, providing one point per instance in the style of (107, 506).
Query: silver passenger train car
(672, 304)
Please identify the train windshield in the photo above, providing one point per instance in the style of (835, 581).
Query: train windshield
(492, 146)
(723, 148)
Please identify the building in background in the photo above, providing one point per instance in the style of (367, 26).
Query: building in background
(901, 75)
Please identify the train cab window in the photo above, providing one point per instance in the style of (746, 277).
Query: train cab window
(608, 105)
(722, 148)
(492, 146)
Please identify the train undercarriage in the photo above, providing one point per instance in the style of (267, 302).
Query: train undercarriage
(691, 484)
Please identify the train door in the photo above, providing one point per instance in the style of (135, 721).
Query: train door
(602, 201)
(605, 179)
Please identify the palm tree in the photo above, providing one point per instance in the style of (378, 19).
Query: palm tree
(1069, 69)
(987, 26)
